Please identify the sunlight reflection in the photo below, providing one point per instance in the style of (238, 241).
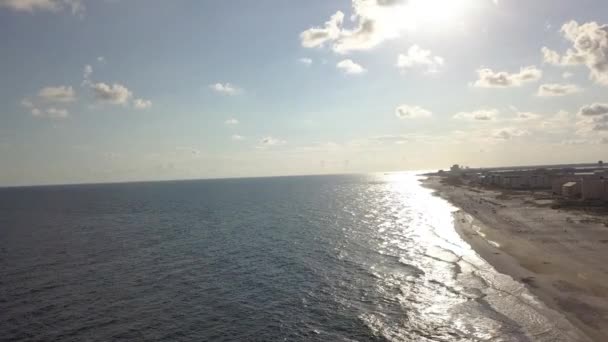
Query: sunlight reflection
(443, 280)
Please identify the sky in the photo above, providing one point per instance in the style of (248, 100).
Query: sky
(134, 90)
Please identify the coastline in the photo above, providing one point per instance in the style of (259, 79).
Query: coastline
(561, 256)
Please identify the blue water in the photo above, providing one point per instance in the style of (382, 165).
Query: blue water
(334, 258)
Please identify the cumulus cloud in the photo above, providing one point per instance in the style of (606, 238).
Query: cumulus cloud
(231, 122)
(224, 88)
(142, 104)
(593, 118)
(113, 94)
(46, 97)
(317, 36)
(525, 116)
(350, 67)
(116, 94)
(418, 57)
(411, 112)
(566, 75)
(269, 142)
(55, 113)
(478, 115)
(593, 124)
(57, 94)
(502, 79)
(589, 47)
(75, 6)
(27, 103)
(555, 89)
(594, 109)
(374, 22)
(306, 61)
(50, 113)
(550, 56)
(509, 133)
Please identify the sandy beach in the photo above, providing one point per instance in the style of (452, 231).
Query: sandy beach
(562, 255)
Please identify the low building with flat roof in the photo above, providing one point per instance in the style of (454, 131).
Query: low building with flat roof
(571, 189)
(558, 183)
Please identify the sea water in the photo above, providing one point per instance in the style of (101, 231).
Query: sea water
(326, 258)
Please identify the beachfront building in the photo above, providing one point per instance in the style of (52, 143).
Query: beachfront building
(589, 180)
(592, 188)
(530, 180)
(558, 182)
(571, 189)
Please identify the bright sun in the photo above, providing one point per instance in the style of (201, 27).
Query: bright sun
(438, 12)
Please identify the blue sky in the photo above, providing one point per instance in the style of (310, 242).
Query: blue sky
(116, 90)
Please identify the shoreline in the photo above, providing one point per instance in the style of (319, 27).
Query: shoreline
(561, 256)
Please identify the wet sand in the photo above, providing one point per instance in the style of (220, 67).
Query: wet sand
(562, 255)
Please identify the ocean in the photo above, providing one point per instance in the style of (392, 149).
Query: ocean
(321, 258)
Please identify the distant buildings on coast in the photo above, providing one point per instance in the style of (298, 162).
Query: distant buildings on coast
(587, 182)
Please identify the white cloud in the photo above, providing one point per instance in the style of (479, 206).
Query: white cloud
(270, 141)
(142, 104)
(525, 116)
(418, 57)
(57, 94)
(411, 112)
(317, 36)
(231, 122)
(555, 89)
(112, 94)
(350, 67)
(86, 75)
(27, 103)
(237, 137)
(589, 47)
(46, 97)
(550, 56)
(50, 113)
(306, 61)
(55, 113)
(592, 124)
(566, 75)
(509, 133)
(224, 88)
(502, 79)
(593, 118)
(101, 59)
(75, 6)
(478, 115)
(375, 21)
